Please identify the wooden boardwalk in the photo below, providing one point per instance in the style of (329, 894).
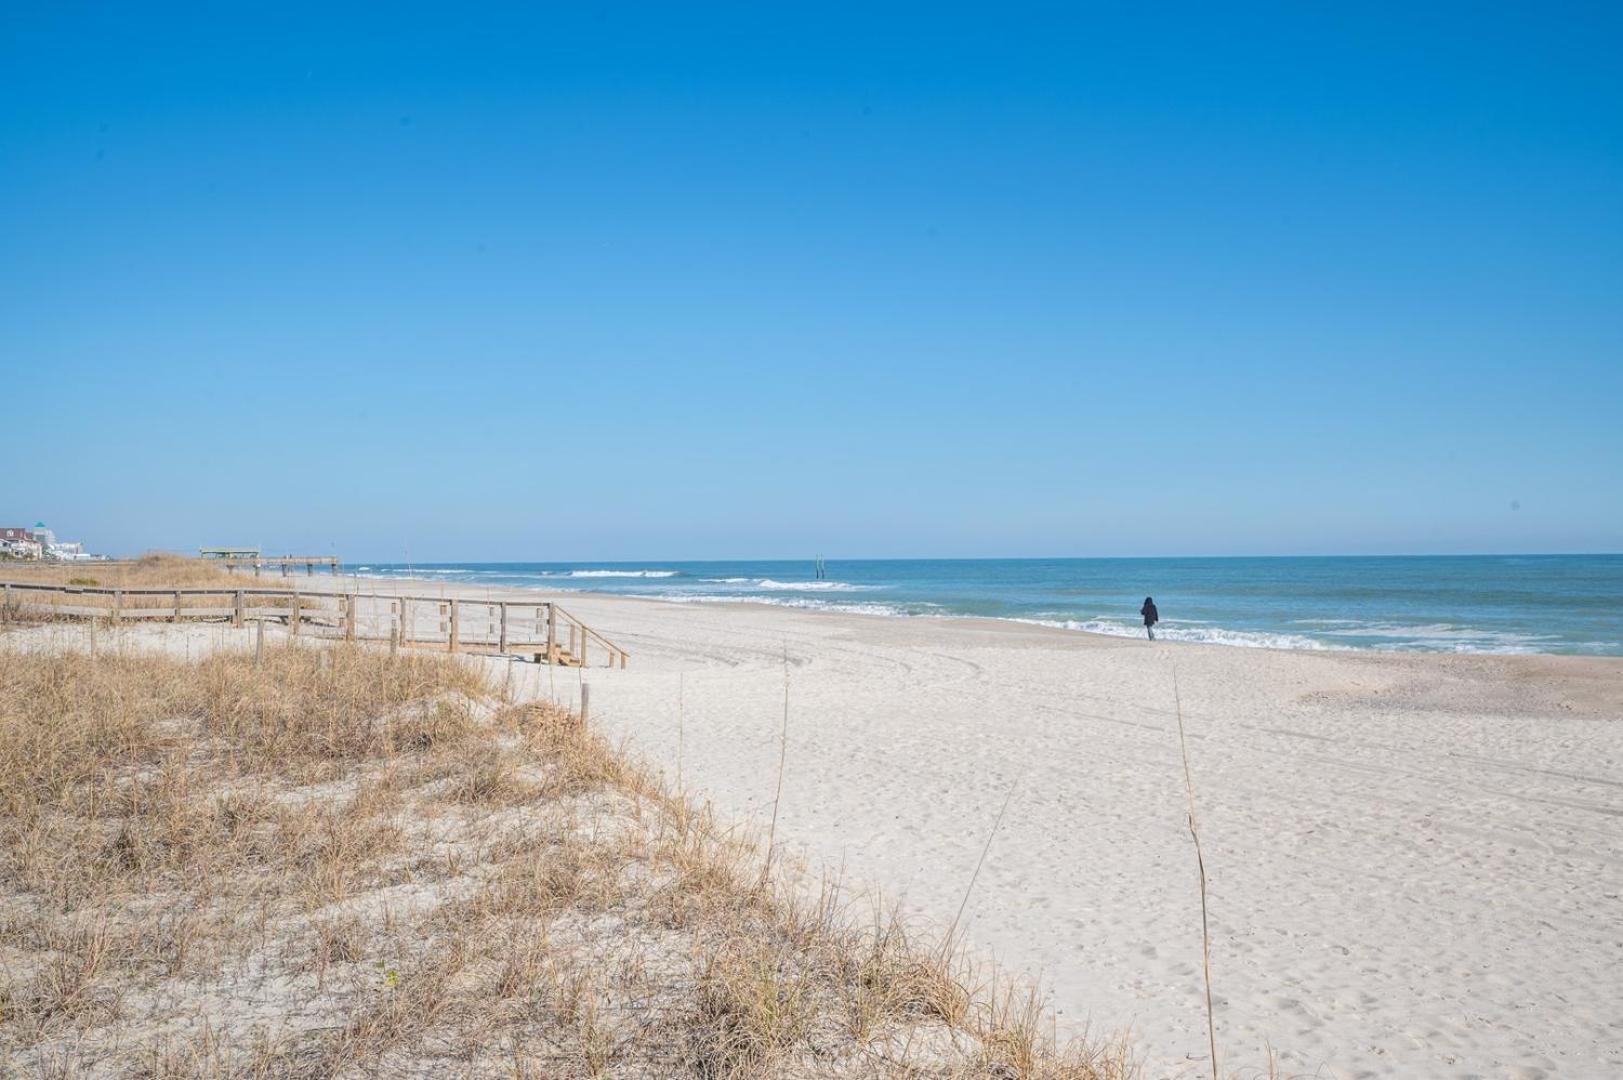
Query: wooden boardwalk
(542, 631)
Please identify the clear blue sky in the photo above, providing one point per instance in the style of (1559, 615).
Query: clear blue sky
(683, 281)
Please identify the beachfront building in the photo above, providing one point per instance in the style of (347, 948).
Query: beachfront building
(17, 542)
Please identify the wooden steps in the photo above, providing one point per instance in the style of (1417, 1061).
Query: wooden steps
(560, 657)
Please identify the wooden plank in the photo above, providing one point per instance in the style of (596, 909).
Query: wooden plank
(334, 610)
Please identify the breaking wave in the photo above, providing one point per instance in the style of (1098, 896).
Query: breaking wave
(1198, 635)
(612, 573)
(771, 585)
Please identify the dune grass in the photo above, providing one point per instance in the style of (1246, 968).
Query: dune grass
(154, 570)
(344, 863)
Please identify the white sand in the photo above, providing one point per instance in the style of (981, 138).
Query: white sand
(1415, 861)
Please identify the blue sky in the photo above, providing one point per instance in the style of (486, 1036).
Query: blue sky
(679, 282)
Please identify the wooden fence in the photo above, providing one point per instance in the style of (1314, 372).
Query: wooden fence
(543, 630)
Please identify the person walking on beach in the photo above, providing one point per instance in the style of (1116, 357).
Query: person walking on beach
(1151, 616)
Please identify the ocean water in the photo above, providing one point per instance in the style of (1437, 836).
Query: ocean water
(1468, 603)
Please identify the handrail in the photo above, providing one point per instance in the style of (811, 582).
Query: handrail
(587, 629)
(346, 611)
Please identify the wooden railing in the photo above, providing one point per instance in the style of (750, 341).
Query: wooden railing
(541, 630)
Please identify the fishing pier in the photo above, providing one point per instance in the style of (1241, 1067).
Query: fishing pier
(234, 559)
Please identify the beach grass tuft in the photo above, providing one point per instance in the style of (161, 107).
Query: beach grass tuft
(338, 862)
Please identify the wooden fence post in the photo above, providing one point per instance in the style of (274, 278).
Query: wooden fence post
(404, 632)
(177, 608)
(552, 634)
(5, 606)
(118, 606)
(453, 625)
(349, 620)
(293, 618)
(503, 645)
(236, 614)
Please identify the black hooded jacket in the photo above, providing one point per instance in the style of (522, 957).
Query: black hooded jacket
(1151, 616)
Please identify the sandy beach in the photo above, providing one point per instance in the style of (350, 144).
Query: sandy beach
(1414, 860)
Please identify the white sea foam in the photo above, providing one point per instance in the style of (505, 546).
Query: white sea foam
(1201, 635)
(772, 585)
(1441, 637)
(611, 573)
(786, 601)
(1441, 631)
(812, 586)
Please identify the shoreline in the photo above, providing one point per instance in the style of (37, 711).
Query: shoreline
(464, 590)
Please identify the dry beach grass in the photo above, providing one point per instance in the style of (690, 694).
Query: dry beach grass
(339, 862)
(154, 570)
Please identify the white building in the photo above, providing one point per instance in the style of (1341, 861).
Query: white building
(39, 543)
(21, 549)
